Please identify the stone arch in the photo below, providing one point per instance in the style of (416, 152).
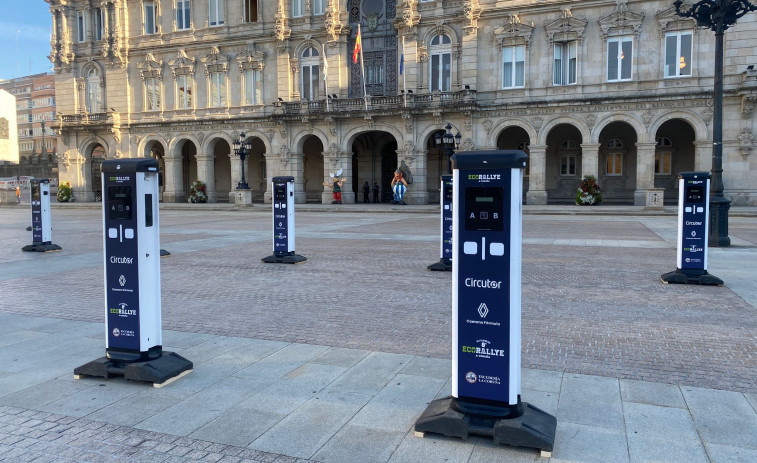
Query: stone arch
(349, 137)
(678, 152)
(174, 148)
(300, 137)
(147, 148)
(642, 136)
(617, 160)
(563, 158)
(567, 120)
(375, 154)
(701, 130)
(505, 124)
(445, 29)
(144, 144)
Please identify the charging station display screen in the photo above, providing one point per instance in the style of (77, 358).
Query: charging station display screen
(119, 202)
(483, 209)
(695, 194)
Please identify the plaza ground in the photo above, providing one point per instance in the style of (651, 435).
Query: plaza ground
(333, 360)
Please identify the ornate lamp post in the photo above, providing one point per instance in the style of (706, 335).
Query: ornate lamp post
(242, 149)
(448, 144)
(717, 15)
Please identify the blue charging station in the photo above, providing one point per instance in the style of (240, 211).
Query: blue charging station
(131, 248)
(486, 308)
(283, 223)
(693, 231)
(41, 221)
(445, 228)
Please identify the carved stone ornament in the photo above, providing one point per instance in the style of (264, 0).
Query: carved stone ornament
(488, 126)
(251, 58)
(284, 155)
(467, 145)
(566, 28)
(332, 24)
(471, 12)
(745, 142)
(4, 129)
(590, 120)
(537, 123)
(150, 67)
(669, 21)
(409, 13)
(332, 125)
(182, 64)
(646, 118)
(621, 22)
(408, 118)
(215, 61)
(513, 32)
(747, 106)
(282, 31)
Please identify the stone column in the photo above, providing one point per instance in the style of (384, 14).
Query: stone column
(644, 172)
(174, 192)
(702, 156)
(417, 161)
(333, 160)
(537, 175)
(294, 164)
(590, 160)
(269, 174)
(206, 173)
(236, 175)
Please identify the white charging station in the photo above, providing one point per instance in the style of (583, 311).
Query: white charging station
(41, 220)
(283, 223)
(445, 227)
(131, 248)
(486, 308)
(693, 231)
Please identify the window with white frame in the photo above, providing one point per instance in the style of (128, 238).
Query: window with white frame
(148, 11)
(93, 91)
(152, 94)
(97, 16)
(663, 157)
(250, 11)
(252, 87)
(440, 67)
(513, 66)
(565, 63)
(183, 18)
(619, 59)
(311, 71)
(81, 26)
(183, 91)
(318, 6)
(297, 7)
(678, 54)
(217, 97)
(215, 15)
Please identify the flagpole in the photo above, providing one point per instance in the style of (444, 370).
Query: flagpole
(404, 80)
(325, 76)
(362, 67)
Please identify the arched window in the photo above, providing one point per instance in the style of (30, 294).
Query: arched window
(311, 65)
(94, 92)
(440, 58)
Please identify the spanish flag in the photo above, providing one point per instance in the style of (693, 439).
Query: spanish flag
(358, 46)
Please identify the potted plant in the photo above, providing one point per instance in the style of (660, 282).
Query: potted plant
(197, 193)
(588, 192)
(65, 193)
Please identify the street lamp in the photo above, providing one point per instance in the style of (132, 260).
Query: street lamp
(448, 144)
(717, 15)
(242, 149)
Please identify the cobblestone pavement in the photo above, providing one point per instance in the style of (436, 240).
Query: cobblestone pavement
(34, 436)
(593, 302)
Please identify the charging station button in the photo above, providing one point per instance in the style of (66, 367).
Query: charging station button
(470, 247)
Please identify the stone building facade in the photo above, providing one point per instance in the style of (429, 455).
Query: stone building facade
(35, 114)
(618, 89)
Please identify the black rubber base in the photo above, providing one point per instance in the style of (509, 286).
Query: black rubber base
(288, 259)
(164, 253)
(534, 428)
(157, 371)
(444, 265)
(698, 278)
(41, 247)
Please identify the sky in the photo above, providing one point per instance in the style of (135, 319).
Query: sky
(24, 37)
